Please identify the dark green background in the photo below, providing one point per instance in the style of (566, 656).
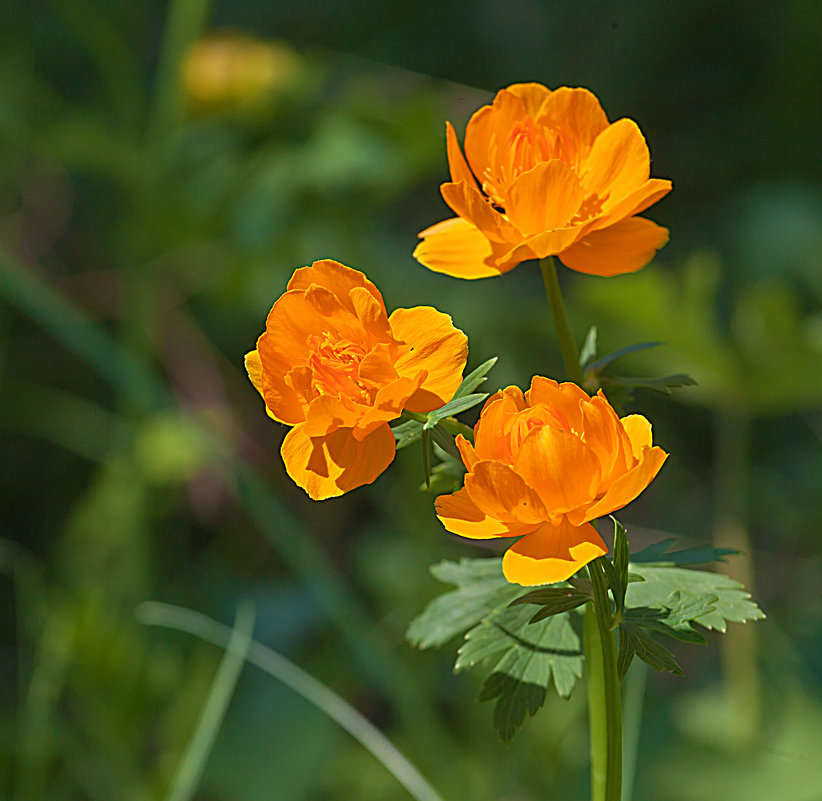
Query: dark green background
(174, 232)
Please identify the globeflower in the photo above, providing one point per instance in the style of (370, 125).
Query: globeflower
(337, 368)
(545, 174)
(543, 465)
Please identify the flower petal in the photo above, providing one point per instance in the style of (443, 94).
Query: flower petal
(371, 314)
(560, 467)
(606, 437)
(254, 368)
(627, 487)
(282, 401)
(471, 205)
(437, 347)
(649, 193)
(488, 123)
(377, 366)
(566, 397)
(577, 112)
(467, 452)
(329, 466)
(638, 429)
(388, 403)
(532, 95)
(491, 433)
(500, 493)
(624, 247)
(539, 246)
(618, 164)
(457, 165)
(458, 248)
(460, 515)
(552, 553)
(335, 277)
(327, 413)
(544, 198)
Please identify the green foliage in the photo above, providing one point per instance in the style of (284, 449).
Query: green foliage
(554, 600)
(695, 588)
(669, 600)
(524, 657)
(621, 388)
(659, 555)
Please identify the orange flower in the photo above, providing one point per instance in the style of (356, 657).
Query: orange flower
(545, 175)
(334, 365)
(543, 465)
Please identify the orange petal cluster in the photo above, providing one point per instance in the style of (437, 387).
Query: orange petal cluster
(543, 465)
(545, 174)
(334, 365)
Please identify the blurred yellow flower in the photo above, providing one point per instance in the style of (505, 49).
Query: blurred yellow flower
(231, 70)
(546, 174)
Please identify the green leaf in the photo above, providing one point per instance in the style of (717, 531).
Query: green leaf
(475, 378)
(514, 699)
(663, 384)
(625, 653)
(454, 407)
(446, 477)
(648, 650)
(501, 637)
(533, 653)
(710, 599)
(589, 347)
(661, 622)
(602, 363)
(426, 455)
(621, 558)
(659, 555)
(553, 600)
(407, 433)
(481, 589)
(446, 442)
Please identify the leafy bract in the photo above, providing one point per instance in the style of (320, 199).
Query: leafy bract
(524, 658)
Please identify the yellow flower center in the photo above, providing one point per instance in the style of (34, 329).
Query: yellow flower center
(335, 363)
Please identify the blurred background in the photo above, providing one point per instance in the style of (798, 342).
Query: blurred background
(163, 170)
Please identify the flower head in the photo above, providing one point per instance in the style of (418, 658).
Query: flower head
(544, 174)
(334, 365)
(544, 464)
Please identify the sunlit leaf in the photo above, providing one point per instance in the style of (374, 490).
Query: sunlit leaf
(407, 433)
(648, 650)
(475, 378)
(453, 407)
(694, 602)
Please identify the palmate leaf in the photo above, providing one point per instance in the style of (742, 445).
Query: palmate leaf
(669, 600)
(697, 596)
(481, 589)
(524, 658)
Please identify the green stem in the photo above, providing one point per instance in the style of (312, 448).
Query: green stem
(604, 702)
(633, 701)
(596, 703)
(567, 345)
(192, 765)
(325, 699)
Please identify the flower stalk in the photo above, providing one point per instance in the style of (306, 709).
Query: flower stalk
(567, 344)
(604, 701)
